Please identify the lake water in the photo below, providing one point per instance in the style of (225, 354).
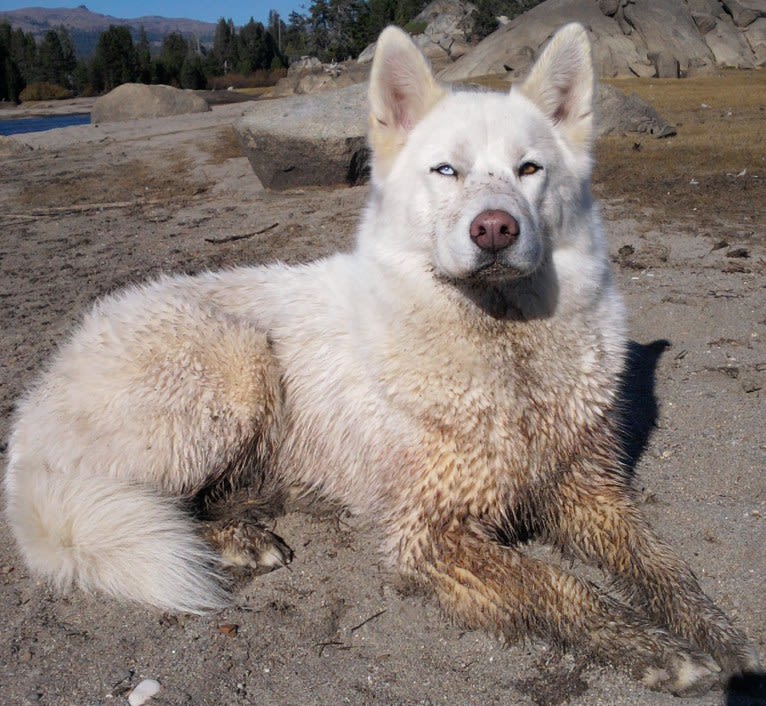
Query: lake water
(16, 126)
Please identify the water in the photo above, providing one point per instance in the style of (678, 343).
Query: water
(16, 126)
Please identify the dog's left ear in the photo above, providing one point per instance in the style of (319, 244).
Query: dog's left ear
(402, 90)
(561, 84)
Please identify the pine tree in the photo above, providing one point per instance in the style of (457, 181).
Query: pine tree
(115, 61)
(143, 57)
(24, 53)
(172, 57)
(50, 58)
(11, 81)
(224, 54)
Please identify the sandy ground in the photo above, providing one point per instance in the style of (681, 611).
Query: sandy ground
(86, 210)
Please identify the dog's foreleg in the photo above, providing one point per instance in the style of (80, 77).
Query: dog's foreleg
(595, 518)
(481, 584)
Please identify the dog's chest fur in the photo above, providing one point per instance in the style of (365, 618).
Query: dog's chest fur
(464, 414)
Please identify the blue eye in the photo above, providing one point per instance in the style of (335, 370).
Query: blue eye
(445, 170)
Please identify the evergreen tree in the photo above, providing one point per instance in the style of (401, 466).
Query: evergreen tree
(24, 53)
(115, 61)
(192, 72)
(11, 81)
(172, 57)
(143, 57)
(382, 14)
(223, 58)
(50, 59)
(295, 39)
(68, 54)
(255, 47)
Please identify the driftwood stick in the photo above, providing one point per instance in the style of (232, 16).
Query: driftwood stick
(241, 236)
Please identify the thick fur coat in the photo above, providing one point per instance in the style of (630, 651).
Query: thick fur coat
(454, 379)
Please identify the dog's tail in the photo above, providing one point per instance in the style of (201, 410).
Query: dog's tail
(105, 534)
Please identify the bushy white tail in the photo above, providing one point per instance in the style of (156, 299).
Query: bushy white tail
(105, 534)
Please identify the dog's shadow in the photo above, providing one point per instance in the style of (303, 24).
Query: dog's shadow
(637, 421)
(746, 690)
(639, 410)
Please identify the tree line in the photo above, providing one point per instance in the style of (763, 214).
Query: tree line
(330, 30)
(119, 58)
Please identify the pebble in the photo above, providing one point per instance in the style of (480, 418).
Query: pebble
(143, 692)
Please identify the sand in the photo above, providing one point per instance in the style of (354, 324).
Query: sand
(85, 210)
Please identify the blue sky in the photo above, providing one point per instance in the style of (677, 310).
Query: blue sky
(238, 10)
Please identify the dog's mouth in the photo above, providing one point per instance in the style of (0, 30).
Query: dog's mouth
(496, 271)
(487, 274)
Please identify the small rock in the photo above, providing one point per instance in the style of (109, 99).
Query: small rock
(609, 7)
(143, 692)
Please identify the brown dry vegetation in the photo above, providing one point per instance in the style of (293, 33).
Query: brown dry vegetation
(223, 145)
(86, 182)
(698, 174)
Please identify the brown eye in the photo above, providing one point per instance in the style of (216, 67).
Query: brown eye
(529, 168)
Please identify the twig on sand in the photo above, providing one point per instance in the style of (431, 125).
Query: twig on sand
(368, 620)
(242, 236)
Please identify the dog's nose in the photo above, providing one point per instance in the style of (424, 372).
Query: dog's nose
(494, 230)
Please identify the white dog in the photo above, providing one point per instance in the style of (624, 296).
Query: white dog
(453, 379)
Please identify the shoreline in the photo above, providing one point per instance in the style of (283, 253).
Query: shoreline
(81, 106)
(45, 109)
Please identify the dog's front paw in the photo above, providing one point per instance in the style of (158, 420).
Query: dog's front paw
(740, 659)
(683, 673)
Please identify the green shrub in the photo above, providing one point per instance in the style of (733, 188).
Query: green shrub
(415, 28)
(44, 91)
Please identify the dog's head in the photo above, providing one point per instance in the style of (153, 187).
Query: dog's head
(482, 186)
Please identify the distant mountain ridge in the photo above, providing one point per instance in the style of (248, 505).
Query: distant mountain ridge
(85, 26)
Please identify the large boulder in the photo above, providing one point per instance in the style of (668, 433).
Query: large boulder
(309, 75)
(446, 28)
(513, 48)
(308, 140)
(618, 113)
(663, 38)
(320, 139)
(755, 34)
(132, 101)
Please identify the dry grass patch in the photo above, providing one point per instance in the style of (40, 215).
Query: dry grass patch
(223, 145)
(713, 170)
(169, 176)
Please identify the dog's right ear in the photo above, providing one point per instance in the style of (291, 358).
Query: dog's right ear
(402, 91)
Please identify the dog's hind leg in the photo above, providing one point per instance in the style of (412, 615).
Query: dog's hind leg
(593, 517)
(157, 396)
(482, 584)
